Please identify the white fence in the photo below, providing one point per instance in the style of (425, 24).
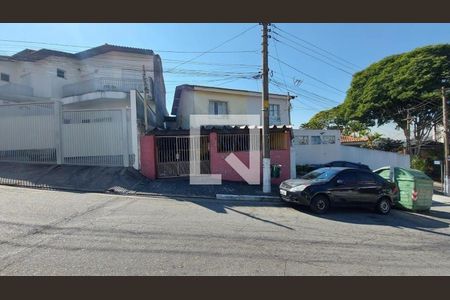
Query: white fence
(323, 153)
(44, 133)
(28, 133)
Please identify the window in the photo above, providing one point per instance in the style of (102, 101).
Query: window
(321, 174)
(328, 139)
(301, 140)
(61, 73)
(348, 178)
(274, 111)
(366, 178)
(218, 108)
(5, 77)
(316, 140)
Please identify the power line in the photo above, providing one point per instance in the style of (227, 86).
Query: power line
(315, 57)
(279, 65)
(315, 46)
(334, 102)
(162, 51)
(309, 76)
(315, 51)
(214, 48)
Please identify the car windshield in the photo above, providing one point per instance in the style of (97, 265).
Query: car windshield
(321, 174)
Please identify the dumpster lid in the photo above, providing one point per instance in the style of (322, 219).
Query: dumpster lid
(412, 173)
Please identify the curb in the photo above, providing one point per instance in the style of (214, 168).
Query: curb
(247, 198)
(222, 197)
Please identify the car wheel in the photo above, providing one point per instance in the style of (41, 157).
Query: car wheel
(384, 206)
(320, 204)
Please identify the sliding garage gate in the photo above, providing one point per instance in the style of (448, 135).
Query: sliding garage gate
(45, 133)
(173, 157)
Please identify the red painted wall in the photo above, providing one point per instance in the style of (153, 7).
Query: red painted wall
(220, 166)
(148, 156)
(217, 160)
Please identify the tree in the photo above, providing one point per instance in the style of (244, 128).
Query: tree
(326, 119)
(384, 91)
(383, 144)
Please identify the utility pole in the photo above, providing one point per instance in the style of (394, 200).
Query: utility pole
(265, 112)
(144, 78)
(445, 121)
(408, 132)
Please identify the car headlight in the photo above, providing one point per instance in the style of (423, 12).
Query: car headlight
(299, 188)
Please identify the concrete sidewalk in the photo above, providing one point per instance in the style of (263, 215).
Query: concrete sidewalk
(126, 181)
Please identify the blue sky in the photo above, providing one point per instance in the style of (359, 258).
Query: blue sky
(358, 44)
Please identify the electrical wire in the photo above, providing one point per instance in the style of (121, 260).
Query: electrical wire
(317, 47)
(307, 75)
(315, 57)
(315, 52)
(214, 48)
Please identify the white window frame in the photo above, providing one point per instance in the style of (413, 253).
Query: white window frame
(215, 108)
(272, 111)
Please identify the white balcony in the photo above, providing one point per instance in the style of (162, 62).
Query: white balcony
(103, 84)
(14, 90)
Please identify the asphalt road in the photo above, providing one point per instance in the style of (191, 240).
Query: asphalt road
(60, 233)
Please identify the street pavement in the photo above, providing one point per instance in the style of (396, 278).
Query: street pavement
(63, 233)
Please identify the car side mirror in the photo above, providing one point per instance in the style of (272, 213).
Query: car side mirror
(339, 182)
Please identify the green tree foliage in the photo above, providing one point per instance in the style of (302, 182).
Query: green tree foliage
(384, 144)
(384, 91)
(326, 119)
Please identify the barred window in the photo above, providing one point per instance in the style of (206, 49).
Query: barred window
(316, 140)
(328, 139)
(301, 140)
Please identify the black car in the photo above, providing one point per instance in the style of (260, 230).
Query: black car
(340, 163)
(333, 186)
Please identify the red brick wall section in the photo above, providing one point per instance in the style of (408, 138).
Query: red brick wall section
(220, 166)
(148, 157)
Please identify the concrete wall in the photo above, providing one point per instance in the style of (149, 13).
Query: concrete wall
(197, 102)
(324, 153)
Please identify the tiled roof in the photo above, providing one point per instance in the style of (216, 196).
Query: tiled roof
(352, 139)
(35, 55)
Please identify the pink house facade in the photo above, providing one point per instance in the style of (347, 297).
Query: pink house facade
(155, 149)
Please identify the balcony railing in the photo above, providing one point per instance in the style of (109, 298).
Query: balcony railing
(103, 85)
(14, 89)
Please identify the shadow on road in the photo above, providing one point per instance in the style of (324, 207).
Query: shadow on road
(221, 207)
(397, 218)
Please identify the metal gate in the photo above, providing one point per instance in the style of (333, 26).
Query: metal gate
(28, 133)
(173, 157)
(45, 133)
(95, 137)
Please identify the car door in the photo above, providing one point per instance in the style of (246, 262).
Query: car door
(342, 189)
(368, 188)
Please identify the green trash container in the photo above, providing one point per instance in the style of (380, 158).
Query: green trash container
(275, 171)
(416, 188)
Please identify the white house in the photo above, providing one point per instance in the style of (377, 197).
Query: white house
(203, 100)
(97, 78)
